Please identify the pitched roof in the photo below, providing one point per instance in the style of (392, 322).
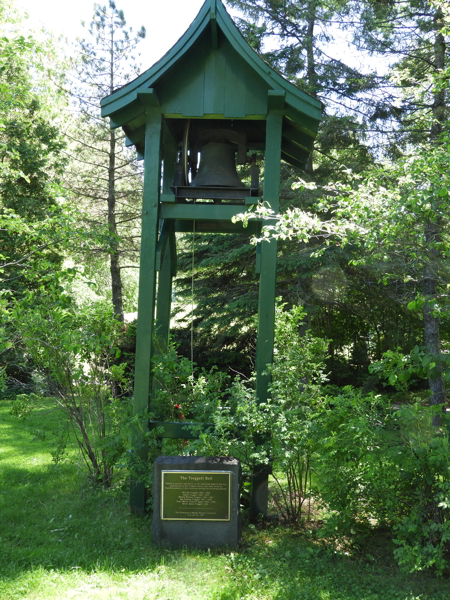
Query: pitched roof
(302, 112)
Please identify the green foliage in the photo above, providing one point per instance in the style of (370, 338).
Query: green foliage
(31, 161)
(73, 350)
(401, 370)
(60, 536)
(382, 464)
(279, 430)
(364, 461)
(224, 283)
(181, 392)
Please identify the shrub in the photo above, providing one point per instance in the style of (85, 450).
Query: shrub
(72, 350)
(280, 430)
(385, 466)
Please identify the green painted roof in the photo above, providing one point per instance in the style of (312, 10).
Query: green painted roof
(193, 67)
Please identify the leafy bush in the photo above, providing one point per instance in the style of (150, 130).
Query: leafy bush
(280, 430)
(385, 466)
(72, 349)
(180, 390)
(375, 464)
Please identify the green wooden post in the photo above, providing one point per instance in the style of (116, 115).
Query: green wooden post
(170, 158)
(164, 299)
(167, 246)
(147, 282)
(267, 282)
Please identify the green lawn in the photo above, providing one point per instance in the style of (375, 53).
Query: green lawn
(60, 539)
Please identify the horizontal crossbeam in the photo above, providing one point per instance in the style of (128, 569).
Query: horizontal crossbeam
(178, 430)
(201, 212)
(187, 226)
(214, 192)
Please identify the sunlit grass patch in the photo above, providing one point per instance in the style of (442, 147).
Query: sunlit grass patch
(60, 538)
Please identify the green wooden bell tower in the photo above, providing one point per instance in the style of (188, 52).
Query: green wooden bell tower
(211, 96)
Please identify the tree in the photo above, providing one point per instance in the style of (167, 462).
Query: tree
(104, 175)
(33, 216)
(414, 32)
(299, 36)
(31, 158)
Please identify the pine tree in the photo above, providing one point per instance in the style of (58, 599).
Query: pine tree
(298, 28)
(104, 176)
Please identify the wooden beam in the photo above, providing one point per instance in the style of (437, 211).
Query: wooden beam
(214, 40)
(293, 134)
(267, 283)
(292, 161)
(164, 299)
(170, 149)
(134, 136)
(275, 101)
(125, 115)
(294, 151)
(201, 211)
(147, 289)
(149, 99)
(306, 124)
(161, 244)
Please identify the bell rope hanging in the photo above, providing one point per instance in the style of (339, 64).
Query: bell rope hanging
(217, 167)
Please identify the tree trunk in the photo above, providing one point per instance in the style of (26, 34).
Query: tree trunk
(433, 233)
(116, 280)
(311, 68)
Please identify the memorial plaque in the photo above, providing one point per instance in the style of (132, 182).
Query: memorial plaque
(196, 502)
(195, 495)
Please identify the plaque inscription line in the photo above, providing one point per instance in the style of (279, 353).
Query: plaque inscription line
(196, 495)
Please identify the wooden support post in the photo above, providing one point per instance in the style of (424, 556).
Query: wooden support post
(267, 284)
(147, 285)
(164, 299)
(167, 246)
(169, 157)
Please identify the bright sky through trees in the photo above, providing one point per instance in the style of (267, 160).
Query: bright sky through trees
(164, 21)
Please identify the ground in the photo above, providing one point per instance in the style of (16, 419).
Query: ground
(62, 539)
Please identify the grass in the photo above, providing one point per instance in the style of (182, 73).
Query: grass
(61, 539)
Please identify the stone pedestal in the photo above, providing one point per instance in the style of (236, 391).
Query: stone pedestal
(196, 502)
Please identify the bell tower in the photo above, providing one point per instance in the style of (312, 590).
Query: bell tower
(195, 114)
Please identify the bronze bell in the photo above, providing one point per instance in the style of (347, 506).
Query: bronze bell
(217, 167)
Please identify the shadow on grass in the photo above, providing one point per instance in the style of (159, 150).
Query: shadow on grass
(50, 518)
(289, 566)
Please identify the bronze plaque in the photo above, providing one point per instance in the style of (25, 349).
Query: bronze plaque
(196, 495)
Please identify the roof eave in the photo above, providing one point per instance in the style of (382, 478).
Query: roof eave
(115, 101)
(301, 102)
